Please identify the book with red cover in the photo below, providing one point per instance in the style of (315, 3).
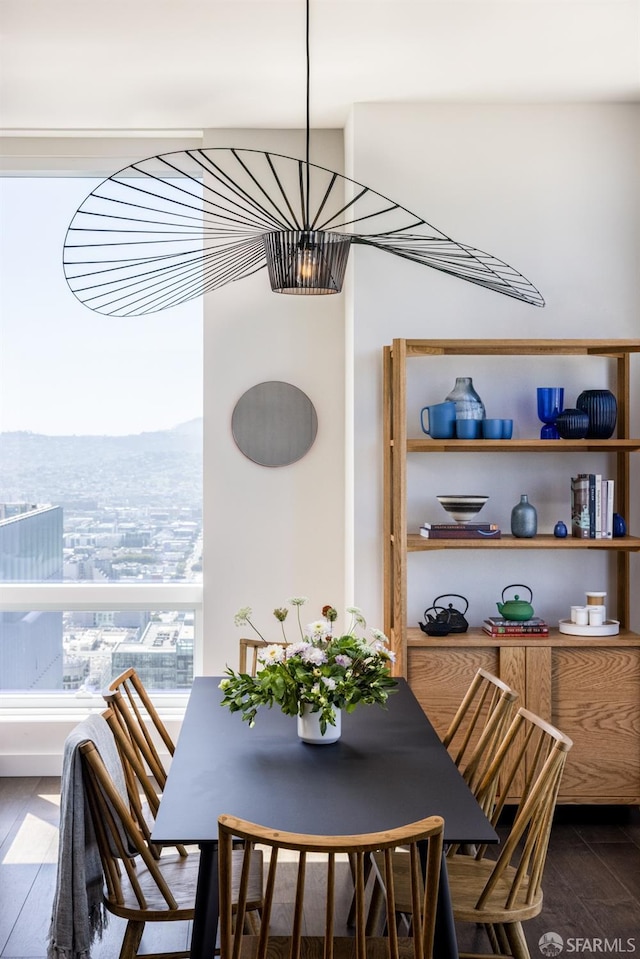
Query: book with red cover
(495, 626)
(460, 533)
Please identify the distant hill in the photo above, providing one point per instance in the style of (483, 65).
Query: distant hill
(162, 467)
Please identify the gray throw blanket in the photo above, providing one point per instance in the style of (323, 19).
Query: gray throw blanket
(78, 915)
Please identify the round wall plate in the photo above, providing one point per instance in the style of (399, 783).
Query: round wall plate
(274, 423)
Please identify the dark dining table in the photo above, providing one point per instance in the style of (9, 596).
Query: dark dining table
(389, 768)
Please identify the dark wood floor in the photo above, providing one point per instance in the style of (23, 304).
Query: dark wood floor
(592, 880)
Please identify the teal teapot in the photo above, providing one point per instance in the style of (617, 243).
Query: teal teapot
(516, 608)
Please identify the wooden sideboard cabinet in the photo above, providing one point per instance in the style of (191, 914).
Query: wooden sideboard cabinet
(588, 686)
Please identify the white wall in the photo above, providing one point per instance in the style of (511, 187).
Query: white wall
(272, 533)
(554, 191)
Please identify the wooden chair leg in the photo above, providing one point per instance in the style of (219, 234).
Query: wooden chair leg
(489, 928)
(131, 941)
(504, 945)
(517, 942)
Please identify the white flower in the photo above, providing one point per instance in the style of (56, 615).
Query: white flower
(378, 635)
(318, 629)
(297, 600)
(272, 654)
(354, 610)
(242, 616)
(329, 682)
(296, 649)
(313, 655)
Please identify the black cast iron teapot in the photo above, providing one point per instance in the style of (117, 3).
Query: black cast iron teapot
(441, 620)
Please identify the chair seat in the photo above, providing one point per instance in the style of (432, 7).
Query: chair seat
(181, 875)
(467, 878)
(312, 947)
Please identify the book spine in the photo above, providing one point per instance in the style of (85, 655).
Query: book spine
(592, 506)
(460, 534)
(515, 631)
(598, 506)
(580, 506)
(609, 515)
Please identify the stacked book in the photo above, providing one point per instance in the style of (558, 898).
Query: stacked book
(495, 626)
(460, 531)
(591, 506)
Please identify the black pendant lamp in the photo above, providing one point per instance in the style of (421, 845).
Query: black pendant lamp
(306, 261)
(169, 228)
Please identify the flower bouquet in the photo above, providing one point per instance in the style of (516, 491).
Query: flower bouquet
(322, 671)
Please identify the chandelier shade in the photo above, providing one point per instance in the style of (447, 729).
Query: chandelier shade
(172, 227)
(302, 261)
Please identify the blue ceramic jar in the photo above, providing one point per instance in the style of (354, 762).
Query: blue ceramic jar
(572, 424)
(602, 408)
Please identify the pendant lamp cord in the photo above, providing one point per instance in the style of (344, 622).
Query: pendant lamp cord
(306, 214)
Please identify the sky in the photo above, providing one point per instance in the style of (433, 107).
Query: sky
(63, 368)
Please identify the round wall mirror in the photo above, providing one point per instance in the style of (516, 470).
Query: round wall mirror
(274, 423)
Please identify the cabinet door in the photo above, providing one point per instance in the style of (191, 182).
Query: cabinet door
(440, 677)
(596, 701)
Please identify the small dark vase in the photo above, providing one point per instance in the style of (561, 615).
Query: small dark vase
(560, 530)
(619, 526)
(524, 518)
(602, 409)
(572, 424)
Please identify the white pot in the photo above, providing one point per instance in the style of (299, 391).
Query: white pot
(309, 728)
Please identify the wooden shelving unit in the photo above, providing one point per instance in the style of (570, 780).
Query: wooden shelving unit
(589, 687)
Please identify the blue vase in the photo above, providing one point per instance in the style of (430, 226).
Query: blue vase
(469, 406)
(524, 519)
(572, 424)
(560, 530)
(602, 409)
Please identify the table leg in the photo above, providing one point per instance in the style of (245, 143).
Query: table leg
(207, 906)
(445, 941)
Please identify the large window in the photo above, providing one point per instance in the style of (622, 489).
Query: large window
(100, 460)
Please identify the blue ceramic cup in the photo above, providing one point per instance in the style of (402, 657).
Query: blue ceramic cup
(467, 429)
(492, 429)
(507, 429)
(441, 420)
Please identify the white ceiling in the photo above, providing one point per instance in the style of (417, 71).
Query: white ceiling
(192, 64)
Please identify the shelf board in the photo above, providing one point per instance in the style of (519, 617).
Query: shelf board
(428, 445)
(611, 348)
(475, 636)
(417, 543)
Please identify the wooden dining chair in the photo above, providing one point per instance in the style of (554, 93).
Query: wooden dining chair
(248, 653)
(139, 887)
(479, 724)
(319, 882)
(144, 798)
(500, 894)
(141, 722)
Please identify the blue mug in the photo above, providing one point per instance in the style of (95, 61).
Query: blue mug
(441, 420)
(467, 429)
(492, 429)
